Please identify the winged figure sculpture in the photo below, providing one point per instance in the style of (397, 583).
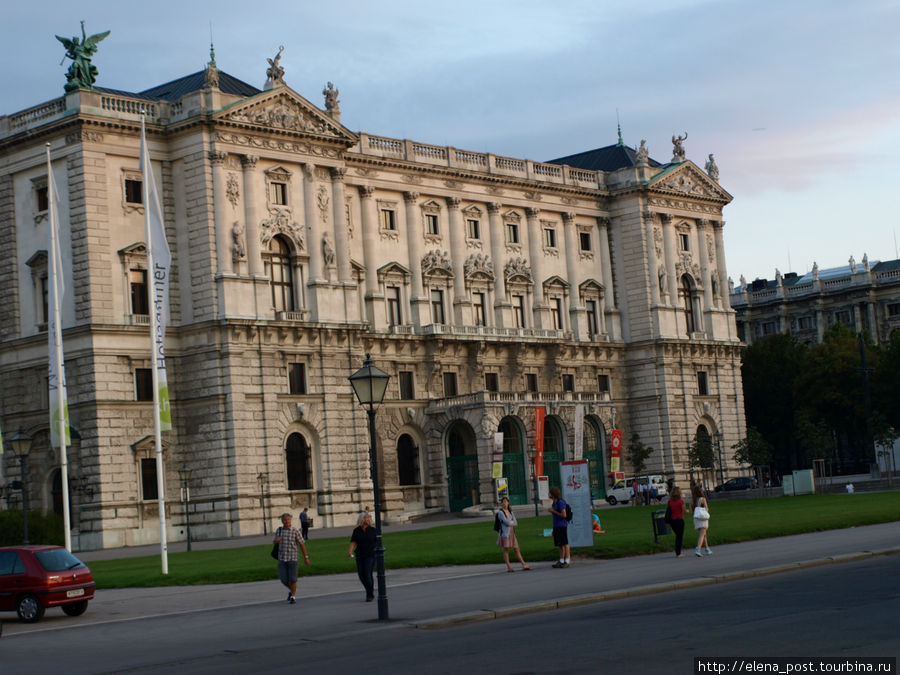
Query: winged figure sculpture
(82, 73)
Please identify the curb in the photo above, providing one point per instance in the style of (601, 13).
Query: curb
(637, 591)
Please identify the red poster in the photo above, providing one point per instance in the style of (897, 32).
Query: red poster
(539, 441)
(616, 443)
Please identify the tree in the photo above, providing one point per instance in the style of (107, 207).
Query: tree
(701, 454)
(753, 449)
(637, 453)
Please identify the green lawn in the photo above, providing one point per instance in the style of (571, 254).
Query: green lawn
(628, 533)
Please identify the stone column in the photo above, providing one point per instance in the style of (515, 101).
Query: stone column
(536, 255)
(313, 228)
(457, 259)
(705, 274)
(369, 237)
(251, 215)
(341, 238)
(497, 242)
(220, 200)
(720, 262)
(652, 260)
(606, 263)
(572, 274)
(669, 248)
(418, 303)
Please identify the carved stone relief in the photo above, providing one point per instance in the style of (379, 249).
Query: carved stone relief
(436, 261)
(478, 264)
(517, 267)
(238, 250)
(280, 222)
(232, 189)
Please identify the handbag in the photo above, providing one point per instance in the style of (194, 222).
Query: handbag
(275, 547)
(701, 517)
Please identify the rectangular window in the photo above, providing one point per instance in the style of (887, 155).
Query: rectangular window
(297, 378)
(530, 381)
(388, 219)
(278, 193)
(42, 198)
(449, 384)
(143, 384)
(769, 328)
(140, 303)
(407, 385)
(843, 317)
(134, 191)
(806, 323)
(149, 490)
(592, 325)
(431, 224)
(702, 383)
(478, 309)
(472, 229)
(568, 382)
(893, 309)
(550, 237)
(585, 240)
(685, 242)
(603, 384)
(512, 233)
(393, 303)
(519, 310)
(437, 306)
(556, 313)
(491, 382)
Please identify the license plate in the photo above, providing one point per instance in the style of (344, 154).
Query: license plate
(75, 593)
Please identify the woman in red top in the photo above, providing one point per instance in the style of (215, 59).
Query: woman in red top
(676, 506)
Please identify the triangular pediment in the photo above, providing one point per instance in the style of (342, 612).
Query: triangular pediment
(688, 180)
(556, 281)
(283, 109)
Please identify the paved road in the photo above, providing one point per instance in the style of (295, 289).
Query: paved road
(128, 626)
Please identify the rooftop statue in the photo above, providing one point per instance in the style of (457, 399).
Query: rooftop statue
(712, 170)
(332, 104)
(275, 73)
(641, 155)
(82, 73)
(678, 147)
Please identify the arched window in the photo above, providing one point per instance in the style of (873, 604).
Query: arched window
(298, 457)
(512, 436)
(688, 295)
(280, 270)
(407, 461)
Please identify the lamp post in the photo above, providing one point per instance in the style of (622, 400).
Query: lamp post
(21, 445)
(261, 479)
(721, 466)
(369, 383)
(184, 474)
(532, 454)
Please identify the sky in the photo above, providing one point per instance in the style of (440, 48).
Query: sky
(798, 100)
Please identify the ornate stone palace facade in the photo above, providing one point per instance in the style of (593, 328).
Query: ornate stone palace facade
(863, 296)
(486, 286)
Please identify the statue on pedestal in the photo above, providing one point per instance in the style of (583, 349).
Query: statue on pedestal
(712, 170)
(332, 104)
(678, 147)
(275, 73)
(82, 73)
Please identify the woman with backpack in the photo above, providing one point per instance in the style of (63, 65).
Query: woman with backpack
(507, 522)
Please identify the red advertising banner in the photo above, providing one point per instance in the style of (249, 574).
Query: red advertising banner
(615, 451)
(539, 441)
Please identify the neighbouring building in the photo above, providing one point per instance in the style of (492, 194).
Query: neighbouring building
(487, 286)
(863, 296)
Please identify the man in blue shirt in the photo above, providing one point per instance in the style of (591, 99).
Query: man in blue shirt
(560, 527)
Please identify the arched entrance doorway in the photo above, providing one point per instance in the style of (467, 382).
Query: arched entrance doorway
(407, 461)
(514, 459)
(462, 466)
(554, 449)
(594, 441)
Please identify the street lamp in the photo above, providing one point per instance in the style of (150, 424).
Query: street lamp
(532, 455)
(718, 436)
(262, 479)
(369, 383)
(21, 445)
(184, 474)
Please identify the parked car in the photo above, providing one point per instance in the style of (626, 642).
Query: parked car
(33, 578)
(621, 491)
(739, 483)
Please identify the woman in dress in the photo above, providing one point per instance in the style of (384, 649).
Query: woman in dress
(700, 524)
(507, 538)
(676, 507)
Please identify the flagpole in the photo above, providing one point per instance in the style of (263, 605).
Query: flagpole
(154, 327)
(56, 345)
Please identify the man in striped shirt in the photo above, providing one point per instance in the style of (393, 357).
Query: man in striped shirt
(289, 539)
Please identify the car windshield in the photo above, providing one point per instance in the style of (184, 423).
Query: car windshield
(57, 560)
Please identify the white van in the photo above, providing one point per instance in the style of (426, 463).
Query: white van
(621, 492)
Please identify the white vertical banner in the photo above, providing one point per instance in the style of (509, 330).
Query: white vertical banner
(56, 370)
(579, 431)
(159, 260)
(576, 491)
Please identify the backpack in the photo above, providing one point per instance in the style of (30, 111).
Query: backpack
(668, 516)
(497, 522)
(568, 513)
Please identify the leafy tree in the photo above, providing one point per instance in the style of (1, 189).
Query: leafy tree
(813, 436)
(753, 449)
(700, 453)
(637, 453)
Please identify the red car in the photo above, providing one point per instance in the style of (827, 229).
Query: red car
(33, 578)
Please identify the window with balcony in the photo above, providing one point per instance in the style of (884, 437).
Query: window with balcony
(491, 382)
(603, 383)
(556, 313)
(478, 309)
(531, 382)
(137, 281)
(437, 305)
(519, 310)
(450, 385)
(393, 306)
(279, 269)
(592, 322)
(568, 382)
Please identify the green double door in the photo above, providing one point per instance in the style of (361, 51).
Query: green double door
(551, 468)
(597, 473)
(462, 475)
(514, 472)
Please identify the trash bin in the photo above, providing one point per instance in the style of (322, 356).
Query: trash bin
(660, 526)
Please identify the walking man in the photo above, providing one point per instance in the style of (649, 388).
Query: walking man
(289, 539)
(304, 524)
(560, 527)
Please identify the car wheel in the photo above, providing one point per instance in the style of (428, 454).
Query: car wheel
(75, 608)
(611, 500)
(29, 608)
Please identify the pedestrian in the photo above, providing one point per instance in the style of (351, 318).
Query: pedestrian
(362, 545)
(289, 539)
(654, 494)
(304, 524)
(635, 493)
(676, 508)
(560, 527)
(701, 524)
(507, 537)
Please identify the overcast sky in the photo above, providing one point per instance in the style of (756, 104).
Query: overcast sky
(798, 100)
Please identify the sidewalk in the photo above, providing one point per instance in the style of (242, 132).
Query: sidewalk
(442, 596)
